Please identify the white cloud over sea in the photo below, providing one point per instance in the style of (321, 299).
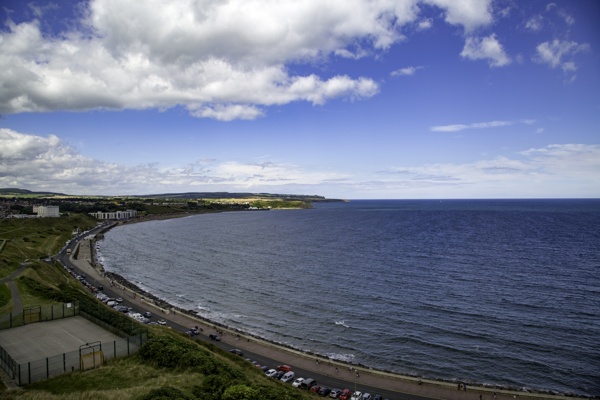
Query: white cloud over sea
(221, 60)
(46, 163)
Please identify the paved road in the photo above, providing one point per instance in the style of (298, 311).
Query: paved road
(14, 292)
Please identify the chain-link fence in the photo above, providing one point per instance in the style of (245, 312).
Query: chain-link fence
(88, 356)
(39, 314)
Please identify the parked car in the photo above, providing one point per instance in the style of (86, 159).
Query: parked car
(378, 397)
(297, 382)
(345, 395)
(214, 336)
(162, 322)
(288, 376)
(271, 372)
(307, 383)
(356, 396)
(284, 368)
(366, 396)
(237, 351)
(148, 314)
(324, 391)
(314, 389)
(335, 393)
(278, 375)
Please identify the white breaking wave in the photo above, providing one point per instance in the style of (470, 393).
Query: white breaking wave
(342, 323)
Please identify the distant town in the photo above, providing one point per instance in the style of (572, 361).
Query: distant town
(21, 203)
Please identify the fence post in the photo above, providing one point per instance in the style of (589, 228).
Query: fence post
(127, 345)
(47, 369)
(64, 362)
(20, 383)
(11, 319)
(115, 348)
(52, 312)
(29, 371)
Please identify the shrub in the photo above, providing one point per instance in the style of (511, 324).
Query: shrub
(166, 393)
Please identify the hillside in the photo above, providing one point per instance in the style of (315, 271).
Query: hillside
(169, 366)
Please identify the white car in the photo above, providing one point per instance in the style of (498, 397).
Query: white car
(297, 382)
(288, 376)
(270, 373)
(356, 396)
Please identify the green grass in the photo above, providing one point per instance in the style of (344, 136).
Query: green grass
(35, 238)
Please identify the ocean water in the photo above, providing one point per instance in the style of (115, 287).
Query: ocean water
(500, 292)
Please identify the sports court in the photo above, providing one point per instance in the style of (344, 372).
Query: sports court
(46, 339)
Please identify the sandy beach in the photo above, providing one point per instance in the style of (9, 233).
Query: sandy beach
(363, 375)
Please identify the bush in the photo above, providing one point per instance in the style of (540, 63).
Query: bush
(172, 352)
(167, 393)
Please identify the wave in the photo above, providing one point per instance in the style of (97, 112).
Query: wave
(342, 323)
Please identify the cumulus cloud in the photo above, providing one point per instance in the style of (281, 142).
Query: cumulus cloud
(47, 163)
(486, 48)
(223, 60)
(554, 52)
(471, 14)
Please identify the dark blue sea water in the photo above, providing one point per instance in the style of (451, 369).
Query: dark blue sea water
(502, 292)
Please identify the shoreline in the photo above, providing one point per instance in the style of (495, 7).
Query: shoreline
(413, 384)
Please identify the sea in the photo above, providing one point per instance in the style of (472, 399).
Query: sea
(495, 292)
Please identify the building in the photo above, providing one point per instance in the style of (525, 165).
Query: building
(46, 211)
(114, 214)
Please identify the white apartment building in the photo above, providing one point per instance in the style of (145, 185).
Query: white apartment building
(46, 211)
(114, 214)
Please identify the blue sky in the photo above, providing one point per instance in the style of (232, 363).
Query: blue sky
(341, 98)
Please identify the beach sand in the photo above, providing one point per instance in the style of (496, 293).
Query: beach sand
(403, 384)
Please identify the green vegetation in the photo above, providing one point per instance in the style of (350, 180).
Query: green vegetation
(4, 295)
(36, 238)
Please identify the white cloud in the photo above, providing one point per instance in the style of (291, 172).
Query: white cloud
(219, 59)
(553, 53)
(558, 170)
(471, 14)
(486, 48)
(476, 125)
(535, 23)
(406, 71)
(46, 163)
(222, 60)
(425, 24)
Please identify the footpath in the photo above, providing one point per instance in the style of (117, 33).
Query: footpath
(432, 389)
(17, 307)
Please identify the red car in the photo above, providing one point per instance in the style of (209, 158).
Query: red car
(346, 394)
(284, 368)
(315, 389)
